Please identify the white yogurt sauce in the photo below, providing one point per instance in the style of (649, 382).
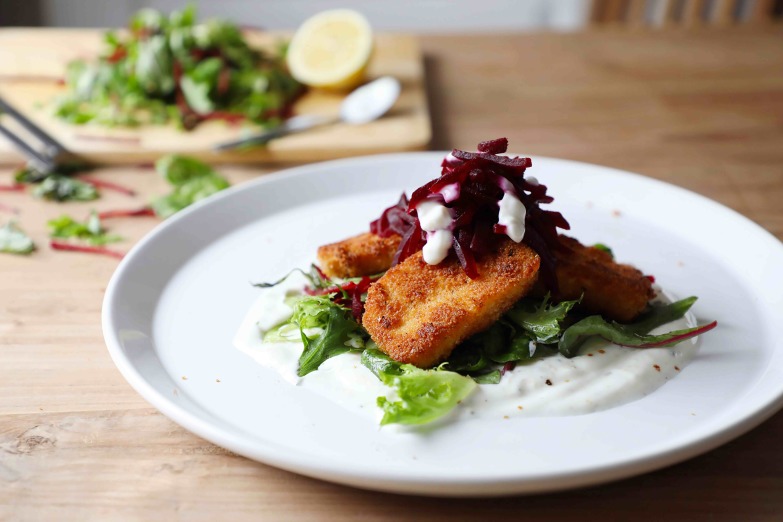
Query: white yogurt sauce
(511, 214)
(435, 219)
(603, 377)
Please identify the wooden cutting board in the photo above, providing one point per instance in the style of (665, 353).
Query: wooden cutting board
(32, 63)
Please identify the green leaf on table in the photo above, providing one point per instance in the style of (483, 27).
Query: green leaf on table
(14, 241)
(91, 231)
(192, 180)
(64, 188)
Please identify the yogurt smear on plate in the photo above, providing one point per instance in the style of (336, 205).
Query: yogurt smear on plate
(604, 376)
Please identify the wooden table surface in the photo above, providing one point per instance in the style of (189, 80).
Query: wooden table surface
(700, 109)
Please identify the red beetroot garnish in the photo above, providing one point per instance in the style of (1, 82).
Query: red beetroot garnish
(471, 185)
(138, 212)
(650, 278)
(393, 220)
(498, 146)
(507, 367)
(224, 80)
(349, 294)
(678, 338)
(108, 185)
(15, 187)
(70, 247)
(118, 54)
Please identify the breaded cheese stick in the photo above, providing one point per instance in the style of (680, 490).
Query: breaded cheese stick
(365, 254)
(418, 313)
(615, 291)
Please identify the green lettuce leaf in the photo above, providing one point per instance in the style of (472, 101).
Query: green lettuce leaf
(326, 329)
(91, 231)
(424, 395)
(635, 334)
(14, 241)
(192, 179)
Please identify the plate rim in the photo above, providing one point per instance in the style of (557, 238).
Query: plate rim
(393, 481)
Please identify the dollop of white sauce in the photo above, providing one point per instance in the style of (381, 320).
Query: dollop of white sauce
(602, 377)
(450, 192)
(433, 216)
(437, 246)
(511, 215)
(436, 220)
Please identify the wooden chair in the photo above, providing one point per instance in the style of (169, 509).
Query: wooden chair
(686, 13)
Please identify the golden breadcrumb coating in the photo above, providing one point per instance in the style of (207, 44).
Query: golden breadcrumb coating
(365, 254)
(615, 291)
(418, 313)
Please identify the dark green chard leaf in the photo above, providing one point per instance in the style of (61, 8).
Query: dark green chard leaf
(192, 179)
(424, 395)
(541, 319)
(492, 377)
(91, 231)
(634, 334)
(14, 241)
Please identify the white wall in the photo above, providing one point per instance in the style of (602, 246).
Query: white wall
(394, 15)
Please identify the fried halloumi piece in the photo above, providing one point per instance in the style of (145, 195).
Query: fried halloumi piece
(365, 254)
(615, 291)
(418, 313)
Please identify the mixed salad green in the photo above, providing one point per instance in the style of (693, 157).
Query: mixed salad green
(13, 240)
(327, 323)
(171, 68)
(191, 180)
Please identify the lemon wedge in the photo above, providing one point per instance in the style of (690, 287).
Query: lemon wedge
(331, 50)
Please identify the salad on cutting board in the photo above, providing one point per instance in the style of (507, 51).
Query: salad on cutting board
(171, 83)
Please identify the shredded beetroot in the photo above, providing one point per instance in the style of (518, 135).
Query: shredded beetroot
(14, 187)
(70, 247)
(471, 185)
(393, 220)
(118, 54)
(107, 185)
(138, 212)
(498, 146)
(349, 294)
(507, 367)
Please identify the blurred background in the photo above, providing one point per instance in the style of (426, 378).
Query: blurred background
(404, 15)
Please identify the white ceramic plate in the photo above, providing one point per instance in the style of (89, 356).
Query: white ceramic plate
(175, 302)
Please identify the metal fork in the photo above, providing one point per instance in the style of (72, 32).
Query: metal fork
(45, 157)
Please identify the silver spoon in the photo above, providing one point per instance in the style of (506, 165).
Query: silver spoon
(365, 104)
